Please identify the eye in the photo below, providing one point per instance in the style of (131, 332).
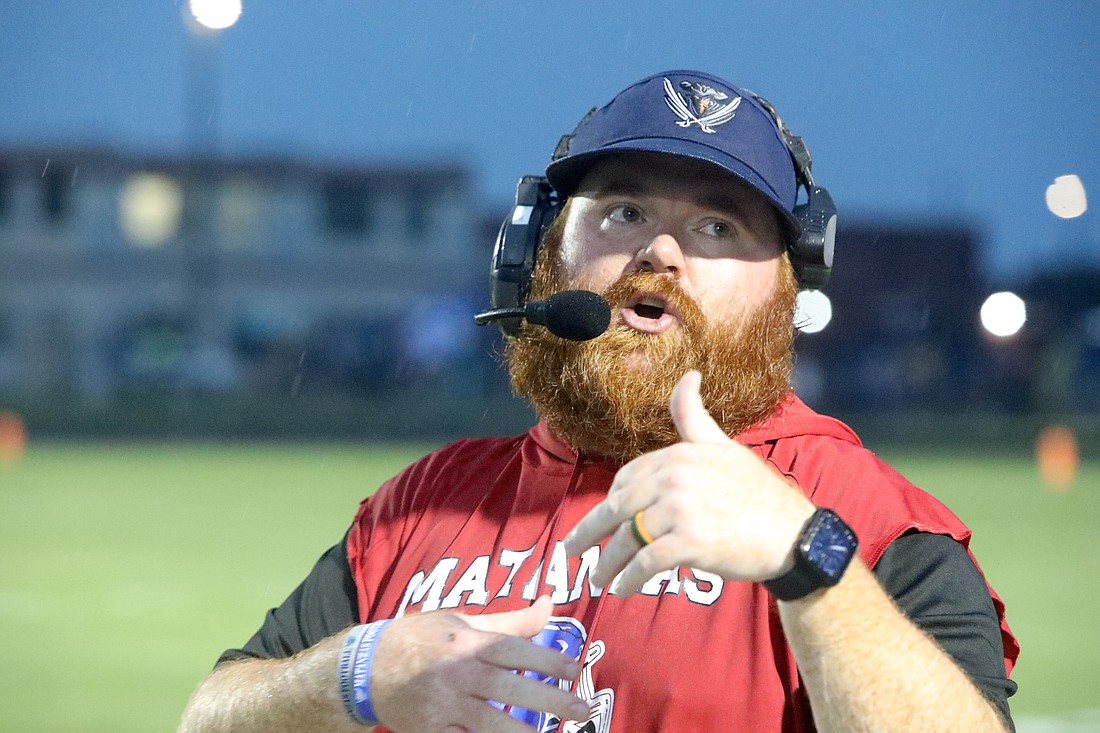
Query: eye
(625, 213)
(719, 229)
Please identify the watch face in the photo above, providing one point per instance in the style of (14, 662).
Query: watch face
(831, 547)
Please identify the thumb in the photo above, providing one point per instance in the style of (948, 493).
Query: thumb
(692, 420)
(525, 622)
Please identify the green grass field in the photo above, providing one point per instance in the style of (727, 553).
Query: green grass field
(126, 569)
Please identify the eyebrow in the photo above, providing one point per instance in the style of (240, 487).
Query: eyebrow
(619, 187)
(726, 200)
(716, 197)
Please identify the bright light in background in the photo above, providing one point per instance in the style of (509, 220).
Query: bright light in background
(813, 311)
(149, 209)
(216, 14)
(1066, 197)
(1003, 314)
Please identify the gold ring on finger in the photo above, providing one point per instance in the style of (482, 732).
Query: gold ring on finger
(637, 528)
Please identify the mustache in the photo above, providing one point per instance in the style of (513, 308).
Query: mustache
(691, 314)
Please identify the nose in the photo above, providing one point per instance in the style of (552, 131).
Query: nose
(660, 255)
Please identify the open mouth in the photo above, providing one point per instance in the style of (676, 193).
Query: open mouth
(649, 313)
(650, 310)
(649, 305)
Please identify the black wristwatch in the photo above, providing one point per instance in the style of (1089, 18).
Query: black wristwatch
(821, 556)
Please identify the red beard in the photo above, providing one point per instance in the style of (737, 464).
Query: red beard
(610, 396)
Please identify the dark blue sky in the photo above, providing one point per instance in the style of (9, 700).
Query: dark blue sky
(913, 110)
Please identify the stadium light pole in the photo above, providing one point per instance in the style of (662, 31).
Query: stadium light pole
(205, 22)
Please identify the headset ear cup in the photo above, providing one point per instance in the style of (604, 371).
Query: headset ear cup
(504, 291)
(812, 252)
(517, 244)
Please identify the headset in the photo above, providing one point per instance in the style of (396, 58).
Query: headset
(811, 252)
(538, 205)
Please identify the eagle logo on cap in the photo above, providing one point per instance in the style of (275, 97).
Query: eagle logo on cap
(700, 104)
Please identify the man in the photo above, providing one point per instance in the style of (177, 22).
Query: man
(688, 545)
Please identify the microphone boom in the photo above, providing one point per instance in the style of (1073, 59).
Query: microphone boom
(577, 315)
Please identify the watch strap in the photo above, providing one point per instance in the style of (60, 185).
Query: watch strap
(794, 584)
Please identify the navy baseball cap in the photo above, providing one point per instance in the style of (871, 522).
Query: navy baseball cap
(685, 113)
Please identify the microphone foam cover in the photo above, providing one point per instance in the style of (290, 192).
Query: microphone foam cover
(577, 315)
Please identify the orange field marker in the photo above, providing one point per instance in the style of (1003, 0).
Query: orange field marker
(13, 438)
(1057, 458)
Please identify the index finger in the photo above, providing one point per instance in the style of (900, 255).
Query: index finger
(514, 653)
(603, 520)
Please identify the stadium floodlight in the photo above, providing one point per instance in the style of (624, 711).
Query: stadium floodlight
(1066, 197)
(216, 14)
(1003, 314)
(813, 311)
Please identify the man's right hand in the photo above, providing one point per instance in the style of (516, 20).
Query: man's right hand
(437, 672)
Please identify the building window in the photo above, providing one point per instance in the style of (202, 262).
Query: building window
(240, 213)
(56, 192)
(151, 350)
(418, 211)
(347, 206)
(149, 209)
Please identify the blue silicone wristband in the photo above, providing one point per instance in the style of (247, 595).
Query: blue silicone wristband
(353, 672)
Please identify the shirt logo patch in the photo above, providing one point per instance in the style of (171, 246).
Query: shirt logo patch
(700, 104)
(568, 636)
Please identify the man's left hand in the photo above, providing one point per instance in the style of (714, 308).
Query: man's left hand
(708, 503)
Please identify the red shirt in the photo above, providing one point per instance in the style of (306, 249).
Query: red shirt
(478, 526)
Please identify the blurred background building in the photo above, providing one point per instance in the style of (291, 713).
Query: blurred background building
(239, 297)
(125, 276)
(917, 326)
